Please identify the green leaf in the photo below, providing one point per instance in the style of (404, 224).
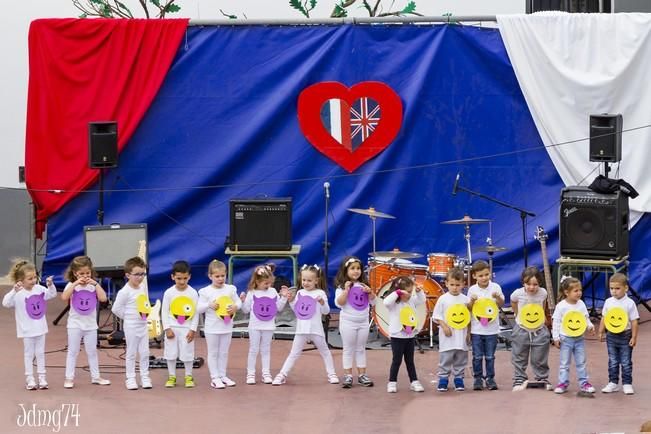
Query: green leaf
(410, 8)
(98, 2)
(296, 4)
(172, 8)
(105, 11)
(155, 3)
(84, 15)
(339, 12)
(312, 4)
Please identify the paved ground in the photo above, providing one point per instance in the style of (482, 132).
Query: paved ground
(307, 403)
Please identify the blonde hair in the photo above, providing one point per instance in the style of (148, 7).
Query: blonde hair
(216, 265)
(77, 263)
(19, 268)
(260, 274)
(619, 278)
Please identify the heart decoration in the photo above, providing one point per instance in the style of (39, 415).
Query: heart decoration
(377, 128)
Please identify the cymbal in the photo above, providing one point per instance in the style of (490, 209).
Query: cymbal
(371, 212)
(490, 249)
(466, 220)
(397, 254)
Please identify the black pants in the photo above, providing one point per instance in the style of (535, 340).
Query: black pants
(402, 348)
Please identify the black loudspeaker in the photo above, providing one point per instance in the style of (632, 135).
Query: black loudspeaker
(606, 138)
(260, 224)
(102, 145)
(593, 225)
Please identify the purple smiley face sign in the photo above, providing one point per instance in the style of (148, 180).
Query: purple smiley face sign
(305, 307)
(84, 302)
(357, 298)
(264, 308)
(36, 306)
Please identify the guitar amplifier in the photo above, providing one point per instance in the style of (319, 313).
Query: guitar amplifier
(260, 224)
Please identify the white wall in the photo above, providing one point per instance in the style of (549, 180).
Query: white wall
(14, 26)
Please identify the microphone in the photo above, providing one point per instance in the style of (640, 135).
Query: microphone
(456, 184)
(326, 185)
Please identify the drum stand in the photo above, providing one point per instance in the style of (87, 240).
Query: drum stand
(466, 236)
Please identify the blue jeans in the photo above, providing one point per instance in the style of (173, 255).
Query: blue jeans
(570, 346)
(483, 348)
(620, 353)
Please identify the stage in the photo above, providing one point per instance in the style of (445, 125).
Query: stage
(307, 402)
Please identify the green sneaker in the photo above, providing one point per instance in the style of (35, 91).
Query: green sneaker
(189, 381)
(171, 381)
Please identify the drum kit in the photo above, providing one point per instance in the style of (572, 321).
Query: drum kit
(385, 266)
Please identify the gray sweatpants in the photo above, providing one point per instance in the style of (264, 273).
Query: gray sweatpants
(529, 347)
(454, 361)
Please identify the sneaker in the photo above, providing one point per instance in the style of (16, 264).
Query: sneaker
(227, 381)
(189, 381)
(250, 378)
(519, 386)
(280, 379)
(68, 384)
(145, 382)
(216, 383)
(610, 388)
(587, 387)
(478, 384)
(348, 381)
(458, 384)
(365, 381)
(491, 384)
(561, 388)
(333, 379)
(171, 381)
(267, 379)
(42, 382)
(99, 381)
(548, 385)
(416, 386)
(131, 384)
(443, 385)
(392, 386)
(628, 389)
(30, 384)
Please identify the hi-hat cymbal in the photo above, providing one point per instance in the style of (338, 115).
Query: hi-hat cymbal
(371, 212)
(490, 249)
(466, 220)
(397, 254)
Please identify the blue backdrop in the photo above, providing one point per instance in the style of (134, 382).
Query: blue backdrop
(224, 125)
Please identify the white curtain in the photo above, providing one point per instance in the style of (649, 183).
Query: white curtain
(570, 66)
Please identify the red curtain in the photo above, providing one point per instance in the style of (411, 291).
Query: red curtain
(80, 71)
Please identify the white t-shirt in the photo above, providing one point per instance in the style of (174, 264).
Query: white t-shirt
(125, 307)
(314, 325)
(349, 313)
(561, 309)
(254, 322)
(214, 323)
(493, 327)
(625, 303)
(76, 320)
(457, 341)
(396, 329)
(523, 298)
(26, 327)
(170, 320)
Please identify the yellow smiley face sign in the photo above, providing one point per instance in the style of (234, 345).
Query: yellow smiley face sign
(616, 320)
(408, 319)
(574, 323)
(457, 316)
(484, 310)
(143, 306)
(532, 316)
(182, 308)
(222, 311)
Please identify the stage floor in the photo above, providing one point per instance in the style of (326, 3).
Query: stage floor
(307, 403)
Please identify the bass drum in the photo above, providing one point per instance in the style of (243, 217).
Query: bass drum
(432, 292)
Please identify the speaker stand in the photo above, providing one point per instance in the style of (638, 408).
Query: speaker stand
(100, 209)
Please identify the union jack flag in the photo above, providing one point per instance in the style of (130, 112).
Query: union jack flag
(351, 125)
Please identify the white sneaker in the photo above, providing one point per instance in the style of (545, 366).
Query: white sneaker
(333, 379)
(280, 379)
(42, 382)
(30, 383)
(250, 379)
(628, 389)
(68, 384)
(99, 381)
(416, 386)
(145, 382)
(392, 387)
(522, 386)
(228, 382)
(267, 379)
(610, 388)
(131, 384)
(217, 384)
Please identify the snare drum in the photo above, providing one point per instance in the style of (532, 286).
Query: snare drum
(440, 263)
(383, 269)
(432, 292)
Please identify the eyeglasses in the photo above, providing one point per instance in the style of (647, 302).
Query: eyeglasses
(138, 274)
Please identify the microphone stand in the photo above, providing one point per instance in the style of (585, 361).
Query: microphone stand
(326, 249)
(523, 216)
